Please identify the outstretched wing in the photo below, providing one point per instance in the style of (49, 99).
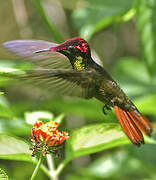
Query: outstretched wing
(52, 72)
(28, 49)
(64, 82)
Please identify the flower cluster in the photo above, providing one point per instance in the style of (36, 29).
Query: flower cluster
(46, 136)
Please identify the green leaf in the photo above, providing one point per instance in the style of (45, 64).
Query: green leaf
(59, 118)
(14, 126)
(94, 138)
(5, 110)
(122, 163)
(96, 15)
(147, 104)
(108, 165)
(12, 148)
(10, 71)
(3, 175)
(32, 117)
(146, 24)
(134, 82)
(9, 75)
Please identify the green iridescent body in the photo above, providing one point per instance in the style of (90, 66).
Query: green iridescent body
(104, 88)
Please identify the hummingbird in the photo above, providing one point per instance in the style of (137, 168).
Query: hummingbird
(70, 67)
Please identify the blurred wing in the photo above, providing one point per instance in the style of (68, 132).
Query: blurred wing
(64, 82)
(27, 49)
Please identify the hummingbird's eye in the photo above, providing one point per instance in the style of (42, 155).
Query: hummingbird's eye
(71, 48)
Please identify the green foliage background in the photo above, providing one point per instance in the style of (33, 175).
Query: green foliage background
(123, 35)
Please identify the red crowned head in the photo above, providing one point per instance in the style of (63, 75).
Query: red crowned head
(73, 47)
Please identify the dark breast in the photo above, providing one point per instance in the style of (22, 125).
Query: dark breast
(109, 92)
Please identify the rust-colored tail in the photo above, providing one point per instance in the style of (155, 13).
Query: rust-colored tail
(133, 123)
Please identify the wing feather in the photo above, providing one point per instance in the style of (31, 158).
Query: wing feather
(28, 48)
(63, 81)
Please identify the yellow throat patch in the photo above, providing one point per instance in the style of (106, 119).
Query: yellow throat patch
(78, 64)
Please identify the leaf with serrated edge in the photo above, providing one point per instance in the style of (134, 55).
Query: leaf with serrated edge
(3, 175)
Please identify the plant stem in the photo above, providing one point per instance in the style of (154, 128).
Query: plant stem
(42, 167)
(37, 167)
(49, 24)
(50, 162)
(61, 167)
(45, 170)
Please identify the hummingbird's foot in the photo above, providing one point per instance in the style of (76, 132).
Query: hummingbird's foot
(105, 108)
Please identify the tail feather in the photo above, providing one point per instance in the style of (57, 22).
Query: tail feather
(133, 124)
(141, 122)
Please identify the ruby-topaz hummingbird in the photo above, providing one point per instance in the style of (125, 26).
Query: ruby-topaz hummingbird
(74, 70)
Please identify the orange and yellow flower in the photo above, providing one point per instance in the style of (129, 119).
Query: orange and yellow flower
(47, 135)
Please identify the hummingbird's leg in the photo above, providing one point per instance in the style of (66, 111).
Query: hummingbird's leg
(105, 107)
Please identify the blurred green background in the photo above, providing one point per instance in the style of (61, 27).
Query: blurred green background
(123, 35)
